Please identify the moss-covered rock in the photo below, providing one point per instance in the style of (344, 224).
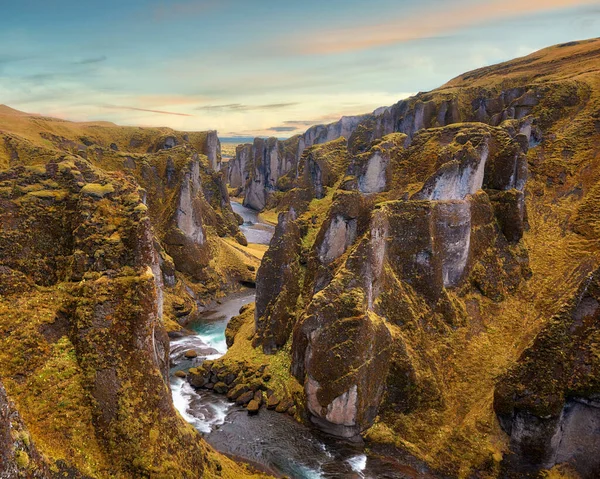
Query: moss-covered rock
(97, 350)
(278, 287)
(548, 401)
(454, 219)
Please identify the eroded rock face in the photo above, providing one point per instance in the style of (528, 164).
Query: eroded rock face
(190, 203)
(339, 236)
(188, 217)
(372, 269)
(238, 174)
(457, 178)
(105, 312)
(271, 165)
(549, 401)
(373, 180)
(441, 260)
(278, 285)
(408, 117)
(341, 354)
(19, 457)
(213, 150)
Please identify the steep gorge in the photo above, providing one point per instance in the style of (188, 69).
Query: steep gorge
(431, 286)
(426, 265)
(101, 253)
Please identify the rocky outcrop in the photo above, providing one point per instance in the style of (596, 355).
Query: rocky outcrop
(370, 270)
(549, 401)
(189, 205)
(247, 381)
(86, 238)
(213, 150)
(442, 107)
(434, 244)
(280, 287)
(252, 169)
(258, 168)
(341, 353)
(272, 165)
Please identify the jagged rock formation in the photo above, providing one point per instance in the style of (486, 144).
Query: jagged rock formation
(374, 264)
(95, 264)
(425, 252)
(549, 401)
(259, 180)
(182, 185)
(86, 238)
(267, 166)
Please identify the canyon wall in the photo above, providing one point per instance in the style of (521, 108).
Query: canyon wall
(109, 239)
(436, 258)
(270, 165)
(79, 242)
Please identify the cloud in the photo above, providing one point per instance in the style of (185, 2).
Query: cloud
(88, 61)
(281, 129)
(427, 23)
(12, 58)
(169, 99)
(131, 108)
(240, 107)
(301, 122)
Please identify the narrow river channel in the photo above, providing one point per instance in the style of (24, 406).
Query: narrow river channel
(274, 441)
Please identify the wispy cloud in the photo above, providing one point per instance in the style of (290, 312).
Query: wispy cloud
(299, 123)
(160, 100)
(427, 23)
(88, 61)
(131, 108)
(241, 107)
(282, 129)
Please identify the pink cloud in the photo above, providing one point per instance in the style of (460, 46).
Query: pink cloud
(425, 24)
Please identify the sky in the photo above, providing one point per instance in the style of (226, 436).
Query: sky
(259, 67)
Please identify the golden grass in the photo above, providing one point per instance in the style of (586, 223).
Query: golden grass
(45, 382)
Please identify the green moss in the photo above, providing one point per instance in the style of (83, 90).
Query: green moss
(98, 190)
(57, 195)
(22, 459)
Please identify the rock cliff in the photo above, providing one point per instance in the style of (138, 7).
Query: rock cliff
(88, 370)
(436, 258)
(98, 252)
(268, 166)
(179, 175)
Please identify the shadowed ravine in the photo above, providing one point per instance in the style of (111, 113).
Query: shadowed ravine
(271, 440)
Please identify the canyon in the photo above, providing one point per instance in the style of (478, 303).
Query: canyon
(428, 288)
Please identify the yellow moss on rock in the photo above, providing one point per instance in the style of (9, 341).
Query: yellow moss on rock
(97, 190)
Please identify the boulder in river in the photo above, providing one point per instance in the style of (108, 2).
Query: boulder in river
(191, 354)
(237, 391)
(221, 388)
(272, 401)
(245, 398)
(253, 407)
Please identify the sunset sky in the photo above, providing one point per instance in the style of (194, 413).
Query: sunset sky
(258, 67)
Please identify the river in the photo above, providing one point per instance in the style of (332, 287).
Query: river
(254, 230)
(274, 441)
